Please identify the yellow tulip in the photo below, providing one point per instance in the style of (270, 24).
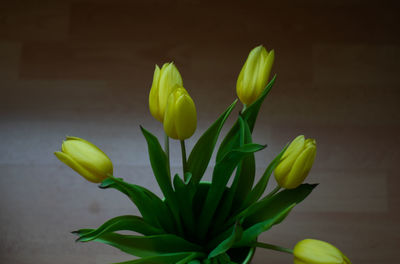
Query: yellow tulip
(254, 75)
(164, 82)
(86, 159)
(180, 118)
(296, 162)
(312, 251)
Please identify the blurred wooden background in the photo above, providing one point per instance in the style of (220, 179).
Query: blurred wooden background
(84, 68)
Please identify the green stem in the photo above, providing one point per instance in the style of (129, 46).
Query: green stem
(273, 247)
(274, 191)
(166, 149)
(184, 165)
(244, 108)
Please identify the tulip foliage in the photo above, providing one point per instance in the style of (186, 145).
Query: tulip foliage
(198, 221)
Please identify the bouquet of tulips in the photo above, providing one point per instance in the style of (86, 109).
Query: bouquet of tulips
(198, 221)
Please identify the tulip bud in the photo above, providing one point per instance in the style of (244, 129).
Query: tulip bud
(164, 82)
(86, 159)
(180, 118)
(312, 251)
(296, 162)
(254, 75)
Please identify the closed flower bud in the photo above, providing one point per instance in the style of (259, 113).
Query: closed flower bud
(254, 75)
(296, 162)
(164, 82)
(312, 251)
(180, 118)
(86, 159)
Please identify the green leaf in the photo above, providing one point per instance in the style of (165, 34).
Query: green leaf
(152, 208)
(200, 197)
(173, 258)
(231, 141)
(228, 242)
(223, 259)
(250, 114)
(125, 222)
(245, 173)
(269, 206)
(159, 164)
(226, 203)
(191, 257)
(221, 174)
(273, 206)
(250, 234)
(242, 182)
(185, 194)
(261, 185)
(201, 153)
(146, 246)
(82, 232)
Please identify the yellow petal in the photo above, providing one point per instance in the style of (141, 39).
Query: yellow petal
(180, 118)
(346, 259)
(186, 117)
(76, 167)
(262, 71)
(153, 97)
(299, 169)
(295, 145)
(170, 79)
(313, 251)
(254, 75)
(288, 158)
(169, 124)
(266, 71)
(88, 156)
(311, 157)
(250, 74)
(298, 261)
(241, 92)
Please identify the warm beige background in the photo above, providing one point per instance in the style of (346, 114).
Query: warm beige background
(84, 68)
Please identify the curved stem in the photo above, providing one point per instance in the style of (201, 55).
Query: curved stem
(273, 247)
(184, 165)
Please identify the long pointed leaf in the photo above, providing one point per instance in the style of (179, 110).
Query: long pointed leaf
(245, 173)
(250, 235)
(124, 222)
(159, 164)
(269, 208)
(251, 112)
(228, 242)
(201, 153)
(152, 208)
(249, 115)
(221, 174)
(145, 246)
(261, 185)
(173, 258)
(185, 194)
(226, 203)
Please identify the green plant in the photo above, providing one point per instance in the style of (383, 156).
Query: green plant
(197, 221)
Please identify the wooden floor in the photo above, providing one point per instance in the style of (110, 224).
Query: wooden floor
(84, 68)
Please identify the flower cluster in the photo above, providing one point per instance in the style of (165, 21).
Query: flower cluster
(199, 221)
